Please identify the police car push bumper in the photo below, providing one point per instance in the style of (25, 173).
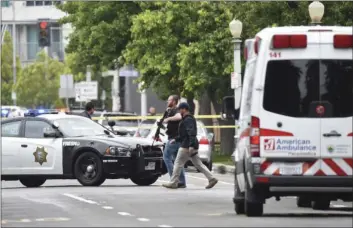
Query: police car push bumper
(125, 161)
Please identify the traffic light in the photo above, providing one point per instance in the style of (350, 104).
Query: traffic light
(44, 34)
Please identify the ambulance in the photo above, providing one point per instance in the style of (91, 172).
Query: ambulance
(295, 117)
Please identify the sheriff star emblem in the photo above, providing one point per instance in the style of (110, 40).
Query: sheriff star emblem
(40, 155)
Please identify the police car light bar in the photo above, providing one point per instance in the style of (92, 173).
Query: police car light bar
(289, 41)
(343, 41)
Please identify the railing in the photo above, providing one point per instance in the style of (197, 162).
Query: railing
(28, 52)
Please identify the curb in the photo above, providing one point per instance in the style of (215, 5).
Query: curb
(223, 169)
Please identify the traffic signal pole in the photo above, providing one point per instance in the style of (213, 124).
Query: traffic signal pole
(14, 47)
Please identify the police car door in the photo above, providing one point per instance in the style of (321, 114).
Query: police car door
(41, 155)
(336, 99)
(10, 147)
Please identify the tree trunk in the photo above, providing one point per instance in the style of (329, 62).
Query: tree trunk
(227, 134)
(205, 109)
(190, 101)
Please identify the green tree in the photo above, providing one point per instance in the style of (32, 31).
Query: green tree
(39, 82)
(7, 70)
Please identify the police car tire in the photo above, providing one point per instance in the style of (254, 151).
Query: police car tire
(98, 180)
(144, 181)
(321, 204)
(303, 201)
(32, 182)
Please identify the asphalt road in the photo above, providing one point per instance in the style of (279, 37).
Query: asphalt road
(120, 203)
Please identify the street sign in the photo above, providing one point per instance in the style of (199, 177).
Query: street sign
(234, 80)
(66, 89)
(66, 81)
(86, 91)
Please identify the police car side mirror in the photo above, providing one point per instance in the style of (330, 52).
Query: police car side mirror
(111, 123)
(52, 134)
(228, 108)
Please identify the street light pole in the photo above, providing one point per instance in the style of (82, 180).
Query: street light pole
(235, 27)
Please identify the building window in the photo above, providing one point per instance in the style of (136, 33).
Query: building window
(42, 3)
(5, 3)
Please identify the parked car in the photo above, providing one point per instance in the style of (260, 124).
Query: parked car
(122, 127)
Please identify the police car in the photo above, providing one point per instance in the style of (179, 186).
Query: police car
(296, 118)
(51, 146)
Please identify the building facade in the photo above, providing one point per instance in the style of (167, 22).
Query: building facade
(24, 16)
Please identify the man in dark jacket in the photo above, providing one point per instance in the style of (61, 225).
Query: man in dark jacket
(89, 110)
(189, 146)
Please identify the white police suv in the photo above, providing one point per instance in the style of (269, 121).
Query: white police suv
(51, 146)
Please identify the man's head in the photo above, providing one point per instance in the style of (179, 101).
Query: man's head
(152, 111)
(173, 101)
(89, 108)
(183, 108)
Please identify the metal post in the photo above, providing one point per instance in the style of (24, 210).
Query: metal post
(116, 91)
(46, 51)
(88, 74)
(143, 101)
(237, 70)
(127, 94)
(14, 44)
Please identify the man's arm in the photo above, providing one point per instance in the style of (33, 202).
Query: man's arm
(191, 131)
(176, 117)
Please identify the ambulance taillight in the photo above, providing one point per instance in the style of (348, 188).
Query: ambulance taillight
(289, 41)
(343, 41)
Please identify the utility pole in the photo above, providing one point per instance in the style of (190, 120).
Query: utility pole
(14, 44)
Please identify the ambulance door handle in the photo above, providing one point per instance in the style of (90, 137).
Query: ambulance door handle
(24, 145)
(332, 135)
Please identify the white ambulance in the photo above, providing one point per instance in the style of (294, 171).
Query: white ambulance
(295, 118)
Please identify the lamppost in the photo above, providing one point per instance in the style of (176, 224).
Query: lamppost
(235, 27)
(316, 12)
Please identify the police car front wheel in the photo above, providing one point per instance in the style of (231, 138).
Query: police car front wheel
(144, 181)
(32, 182)
(89, 169)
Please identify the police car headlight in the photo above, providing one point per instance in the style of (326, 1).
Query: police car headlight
(118, 151)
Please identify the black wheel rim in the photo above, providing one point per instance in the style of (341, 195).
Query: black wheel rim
(84, 163)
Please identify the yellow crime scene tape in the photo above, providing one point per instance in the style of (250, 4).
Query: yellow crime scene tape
(151, 117)
(159, 117)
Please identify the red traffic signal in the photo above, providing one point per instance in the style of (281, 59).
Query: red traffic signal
(43, 24)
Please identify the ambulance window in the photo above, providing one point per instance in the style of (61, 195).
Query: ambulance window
(336, 86)
(250, 76)
(290, 86)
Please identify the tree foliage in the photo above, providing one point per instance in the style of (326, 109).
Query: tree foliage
(7, 69)
(39, 82)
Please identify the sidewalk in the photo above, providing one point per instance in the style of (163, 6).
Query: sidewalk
(223, 169)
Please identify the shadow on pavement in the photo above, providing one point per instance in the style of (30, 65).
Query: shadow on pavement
(80, 186)
(306, 215)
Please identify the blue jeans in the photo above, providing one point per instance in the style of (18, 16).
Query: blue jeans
(169, 155)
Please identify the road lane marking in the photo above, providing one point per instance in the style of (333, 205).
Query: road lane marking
(143, 219)
(25, 220)
(337, 206)
(107, 207)
(200, 178)
(164, 226)
(124, 214)
(80, 198)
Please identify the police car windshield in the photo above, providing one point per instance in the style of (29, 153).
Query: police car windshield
(79, 127)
